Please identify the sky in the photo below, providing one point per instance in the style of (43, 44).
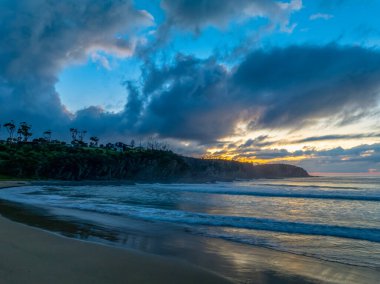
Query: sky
(261, 81)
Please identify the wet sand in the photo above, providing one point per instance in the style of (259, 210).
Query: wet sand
(30, 255)
(12, 183)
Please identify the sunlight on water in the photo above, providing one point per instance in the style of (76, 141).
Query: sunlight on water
(335, 219)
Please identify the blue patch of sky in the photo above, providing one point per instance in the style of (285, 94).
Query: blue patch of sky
(352, 23)
(91, 84)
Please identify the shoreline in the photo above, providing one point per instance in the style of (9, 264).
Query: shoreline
(37, 256)
(13, 183)
(266, 265)
(31, 254)
(184, 180)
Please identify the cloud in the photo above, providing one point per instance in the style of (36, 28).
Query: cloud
(297, 85)
(357, 159)
(337, 137)
(260, 141)
(188, 100)
(283, 88)
(320, 16)
(41, 37)
(361, 158)
(196, 14)
(101, 60)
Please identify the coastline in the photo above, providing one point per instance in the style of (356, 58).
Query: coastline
(12, 183)
(31, 253)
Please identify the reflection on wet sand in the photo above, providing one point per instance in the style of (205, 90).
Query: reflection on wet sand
(253, 263)
(243, 263)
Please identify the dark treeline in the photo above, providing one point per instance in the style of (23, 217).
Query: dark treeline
(22, 135)
(44, 158)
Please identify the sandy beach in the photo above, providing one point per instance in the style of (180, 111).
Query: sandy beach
(33, 255)
(30, 255)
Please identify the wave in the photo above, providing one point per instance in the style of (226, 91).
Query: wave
(306, 186)
(202, 219)
(350, 257)
(308, 195)
(255, 190)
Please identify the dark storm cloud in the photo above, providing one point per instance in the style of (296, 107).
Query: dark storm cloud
(195, 14)
(188, 100)
(337, 137)
(279, 88)
(134, 106)
(298, 84)
(40, 37)
(260, 141)
(267, 154)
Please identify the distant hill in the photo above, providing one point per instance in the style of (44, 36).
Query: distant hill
(62, 162)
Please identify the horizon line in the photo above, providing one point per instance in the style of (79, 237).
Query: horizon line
(344, 173)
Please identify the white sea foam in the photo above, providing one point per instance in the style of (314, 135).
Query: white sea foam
(335, 213)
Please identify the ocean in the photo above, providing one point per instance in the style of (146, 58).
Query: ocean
(334, 219)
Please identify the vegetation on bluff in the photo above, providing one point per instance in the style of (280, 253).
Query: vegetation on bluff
(57, 161)
(43, 158)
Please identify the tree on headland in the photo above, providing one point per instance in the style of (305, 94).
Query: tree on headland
(10, 126)
(81, 135)
(78, 137)
(150, 144)
(153, 144)
(47, 135)
(94, 141)
(24, 134)
(24, 131)
(74, 133)
(19, 135)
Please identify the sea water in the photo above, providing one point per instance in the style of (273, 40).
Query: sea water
(330, 218)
